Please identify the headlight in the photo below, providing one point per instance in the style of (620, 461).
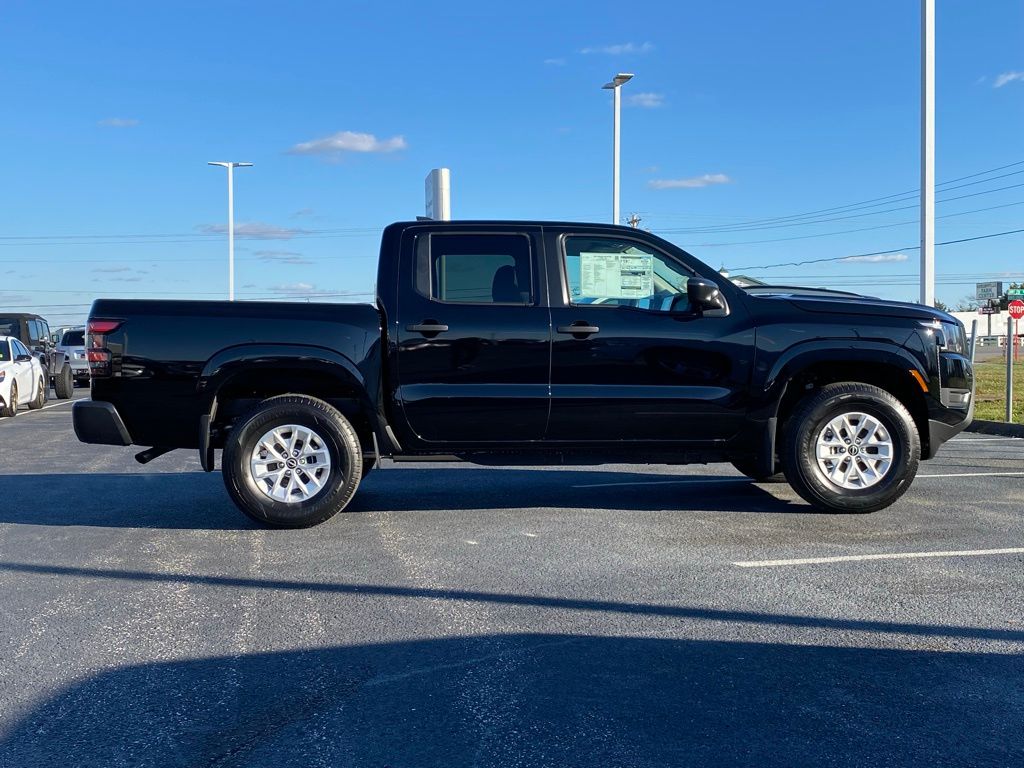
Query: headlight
(949, 337)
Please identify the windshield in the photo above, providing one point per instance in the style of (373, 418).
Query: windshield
(73, 339)
(10, 326)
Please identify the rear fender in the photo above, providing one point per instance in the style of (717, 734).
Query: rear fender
(230, 364)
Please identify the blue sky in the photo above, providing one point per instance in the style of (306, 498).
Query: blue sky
(739, 112)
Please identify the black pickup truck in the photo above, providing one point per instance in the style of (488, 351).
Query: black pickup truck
(511, 343)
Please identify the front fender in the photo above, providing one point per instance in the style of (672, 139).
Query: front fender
(771, 383)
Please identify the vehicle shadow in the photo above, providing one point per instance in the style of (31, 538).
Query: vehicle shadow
(198, 500)
(434, 489)
(186, 500)
(537, 699)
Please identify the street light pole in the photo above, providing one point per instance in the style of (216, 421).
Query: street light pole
(231, 222)
(928, 152)
(614, 86)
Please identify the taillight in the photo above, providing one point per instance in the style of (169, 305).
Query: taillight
(96, 345)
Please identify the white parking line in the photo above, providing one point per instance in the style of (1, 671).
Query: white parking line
(693, 480)
(25, 412)
(982, 439)
(892, 556)
(977, 474)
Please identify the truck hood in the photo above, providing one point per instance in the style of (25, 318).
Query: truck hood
(863, 305)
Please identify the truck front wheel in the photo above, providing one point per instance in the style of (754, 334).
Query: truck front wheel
(293, 462)
(64, 383)
(850, 448)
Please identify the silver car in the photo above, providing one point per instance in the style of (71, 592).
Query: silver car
(72, 344)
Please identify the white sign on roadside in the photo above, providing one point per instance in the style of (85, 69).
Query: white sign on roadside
(616, 275)
(986, 291)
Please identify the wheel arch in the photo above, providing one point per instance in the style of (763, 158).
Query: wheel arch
(884, 366)
(236, 377)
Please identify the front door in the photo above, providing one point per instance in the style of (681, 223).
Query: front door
(631, 360)
(473, 336)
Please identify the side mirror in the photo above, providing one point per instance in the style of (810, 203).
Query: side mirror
(703, 295)
(23, 359)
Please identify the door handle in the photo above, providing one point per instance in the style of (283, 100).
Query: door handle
(578, 329)
(427, 328)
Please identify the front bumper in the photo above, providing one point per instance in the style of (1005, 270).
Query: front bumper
(99, 423)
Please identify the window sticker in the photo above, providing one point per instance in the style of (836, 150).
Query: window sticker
(616, 275)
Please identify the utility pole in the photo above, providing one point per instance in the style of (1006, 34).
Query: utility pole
(634, 221)
(231, 222)
(928, 152)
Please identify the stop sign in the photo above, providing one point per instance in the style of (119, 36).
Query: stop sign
(1016, 308)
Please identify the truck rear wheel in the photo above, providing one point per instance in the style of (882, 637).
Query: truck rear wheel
(64, 383)
(293, 462)
(851, 448)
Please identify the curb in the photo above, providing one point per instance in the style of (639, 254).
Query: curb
(1000, 428)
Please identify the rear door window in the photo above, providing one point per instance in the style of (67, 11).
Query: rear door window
(475, 268)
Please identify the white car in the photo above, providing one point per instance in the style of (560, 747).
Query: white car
(22, 379)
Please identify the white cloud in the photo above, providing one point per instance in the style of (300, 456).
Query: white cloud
(692, 183)
(118, 122)
(646, 99)
(1007, 77)
(253, 230)
(618, 49)
(875, 258)
(303, 212)
(555, 62)
(284, 257)
(348, 141)
(112, 269)
(296, 290)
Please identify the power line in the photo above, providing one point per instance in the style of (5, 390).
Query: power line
(874, 253)
(849, 231)
(717, 230)
(883, 198)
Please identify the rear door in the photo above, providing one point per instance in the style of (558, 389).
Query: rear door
(473, 332)
(631, 361)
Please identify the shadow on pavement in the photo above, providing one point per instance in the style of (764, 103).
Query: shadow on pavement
(198, 500)
(565, 700)
(188, 500)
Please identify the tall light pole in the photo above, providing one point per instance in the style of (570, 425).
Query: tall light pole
(928, 152)
(231, 222)
(614, 86)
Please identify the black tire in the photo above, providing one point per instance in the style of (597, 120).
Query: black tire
(64, 383)
(334, 431)
(810, 419)
(12, 408)
(36, 403)
(749, 468)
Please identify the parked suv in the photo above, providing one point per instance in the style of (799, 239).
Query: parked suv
(72, 345)
(34, 332)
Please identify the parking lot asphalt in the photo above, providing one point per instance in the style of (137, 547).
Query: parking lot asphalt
(620, 615)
